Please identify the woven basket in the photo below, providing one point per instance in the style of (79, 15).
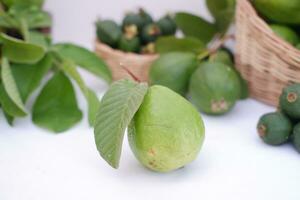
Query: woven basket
(122, 64)
(266, 61)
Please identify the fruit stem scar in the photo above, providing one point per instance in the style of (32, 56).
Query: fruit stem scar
(262, 130)
(292, 97)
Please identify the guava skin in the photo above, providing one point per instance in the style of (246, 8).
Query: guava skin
(286, 33)
(274, 128)
(167, 25)
(173, 70)
(167, 132)
(296, 137)
(290, 101)
(214, 88)
(280, 11)
(129, 44)
(150, 33)
(109, 32)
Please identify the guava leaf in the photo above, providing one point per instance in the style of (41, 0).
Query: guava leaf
(19, 51)
(223, 12)
(29, 76)
(172, 44)
(8, 105)
(56, 107)
(85, 59)
(10, 86)
(7, 21)
(9, 119)
(94, 105)
(92, 100)
(117, 108)
(38, 39)
(195, 26)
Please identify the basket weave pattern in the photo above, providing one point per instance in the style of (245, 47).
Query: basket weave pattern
(266, 61)
(120, 62)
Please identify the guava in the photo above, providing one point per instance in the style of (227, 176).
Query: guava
(167, 132)
(222, 56)
(140, 19)
(214, 88)
(173, 70)
(280, 11)
(167, 25)
(286, 33)
(290, 101)
(225, 56)
(296, 137)
(274, 128)
(128, 44)
(109, 32)
(146, 17)
(150, 33)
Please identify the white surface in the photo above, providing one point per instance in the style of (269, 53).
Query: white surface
(234, 164)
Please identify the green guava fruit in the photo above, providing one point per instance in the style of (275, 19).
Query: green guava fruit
(148, 48)
(296, 137)
(173, 70)
(290, 101)
(280, 11)
(225, 56)
(150, 33)
(129, 44)
(214, 88)
(286, 33)
(167, 132)
(108, 32)
(274, 128)
(222, 56)
(167, 25)
(146, 17)
(140, 19)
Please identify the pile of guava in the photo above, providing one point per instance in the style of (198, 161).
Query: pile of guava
(137, 33)
(283, 125)
(283, 16)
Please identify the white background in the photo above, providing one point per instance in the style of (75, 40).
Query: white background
(234, 164)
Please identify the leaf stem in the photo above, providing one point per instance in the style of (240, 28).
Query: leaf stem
(24, 29)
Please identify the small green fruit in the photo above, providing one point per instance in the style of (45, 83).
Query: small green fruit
(148, 49)
(129, 44)
(286, 33)
(225, 56)
(280, 11)
(109, 32)
(290, 101)
(222, 56)
(274, 128)
(173, 70)
(140, 19)
(214, 88)
(167, 132)
(167, 25)
(150, 33)
(146, 17)
(296, 137)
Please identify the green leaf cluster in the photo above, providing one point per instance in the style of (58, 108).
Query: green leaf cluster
(28, 55)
